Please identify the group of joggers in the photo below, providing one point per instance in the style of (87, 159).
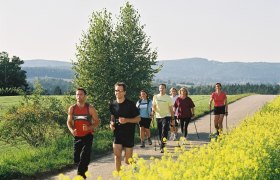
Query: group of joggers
(168, 111)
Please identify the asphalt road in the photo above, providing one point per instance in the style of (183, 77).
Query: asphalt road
(237, 112)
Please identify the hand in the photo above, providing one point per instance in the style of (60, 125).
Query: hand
(112, 126)
(74, 132)
(193, 116)
(226, 113)
(122, 120)
(210, 107)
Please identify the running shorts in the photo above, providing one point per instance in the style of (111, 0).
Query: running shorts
(145, 122)
(219, 110)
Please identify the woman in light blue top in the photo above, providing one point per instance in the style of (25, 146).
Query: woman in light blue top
(144, 104)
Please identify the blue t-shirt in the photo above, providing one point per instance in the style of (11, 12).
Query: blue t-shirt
(145, 108)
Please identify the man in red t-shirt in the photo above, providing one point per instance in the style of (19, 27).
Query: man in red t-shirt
(81, 121)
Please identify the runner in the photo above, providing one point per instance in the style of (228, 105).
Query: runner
(124, 116)
(220, 107)
(162, 107)
(145, 108)
(82, 120)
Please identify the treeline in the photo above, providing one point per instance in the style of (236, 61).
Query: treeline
(237, 89)
(53, 86)
(51, 72)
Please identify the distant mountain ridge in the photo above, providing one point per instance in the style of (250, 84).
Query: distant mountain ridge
(194, 70)
(203, 71)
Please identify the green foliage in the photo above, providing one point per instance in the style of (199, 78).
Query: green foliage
(11, 75)
(36, 120)
(134, 58)
(10, 91)
(106, 56)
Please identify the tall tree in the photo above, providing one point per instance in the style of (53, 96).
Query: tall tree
(107, 55)
(134, 58)
(94, 68)
(11, 74)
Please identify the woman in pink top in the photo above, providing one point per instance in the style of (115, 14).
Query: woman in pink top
(220, 107)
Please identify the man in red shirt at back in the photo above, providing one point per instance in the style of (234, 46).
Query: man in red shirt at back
(81, 121)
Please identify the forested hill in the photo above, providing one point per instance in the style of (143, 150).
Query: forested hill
(48, 69)
(203, 71)
(193, 70)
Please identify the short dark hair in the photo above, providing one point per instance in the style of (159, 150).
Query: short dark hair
(218, 84)
(81, 89)
(121, 84)
(163, 85)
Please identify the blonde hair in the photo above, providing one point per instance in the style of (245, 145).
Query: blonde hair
(183, 89)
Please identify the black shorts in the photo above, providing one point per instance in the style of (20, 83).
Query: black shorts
(145, 122)
(219, 110)
(126, 140)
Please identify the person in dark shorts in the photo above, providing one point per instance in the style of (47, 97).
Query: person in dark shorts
(144, 104)
(82, 120)
(220, 107)
(124, 116)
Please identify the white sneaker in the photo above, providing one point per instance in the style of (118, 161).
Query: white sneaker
(171, 136)
(175, 137)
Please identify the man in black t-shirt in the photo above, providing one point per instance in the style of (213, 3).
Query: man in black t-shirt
(124, 116)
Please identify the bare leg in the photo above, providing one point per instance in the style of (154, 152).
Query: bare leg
(127, 154)
(142, 134)
(220, 123)
(216, 122)
(118, 155)
(148, 133)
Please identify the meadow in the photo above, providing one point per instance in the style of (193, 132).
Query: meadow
(23, 160)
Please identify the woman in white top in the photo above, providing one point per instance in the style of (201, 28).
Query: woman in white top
(174, 129)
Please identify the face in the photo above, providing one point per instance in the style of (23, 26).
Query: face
(218, 87)
(143, 95)
(173, 92)
(162, 89)
(119, 92)
(183, 93)
(80, 96)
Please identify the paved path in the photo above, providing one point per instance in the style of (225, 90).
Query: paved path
(237, 111)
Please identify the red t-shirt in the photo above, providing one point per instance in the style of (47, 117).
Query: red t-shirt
(219, 100)
(82, 118)
(184, 107)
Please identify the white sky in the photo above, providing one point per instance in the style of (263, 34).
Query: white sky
(222, 30)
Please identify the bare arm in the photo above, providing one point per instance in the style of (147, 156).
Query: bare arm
(210, 103)
(95, 118)
(112, 123)
(70, 121)
(129, 120)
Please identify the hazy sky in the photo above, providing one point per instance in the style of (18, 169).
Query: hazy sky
(222, 30)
